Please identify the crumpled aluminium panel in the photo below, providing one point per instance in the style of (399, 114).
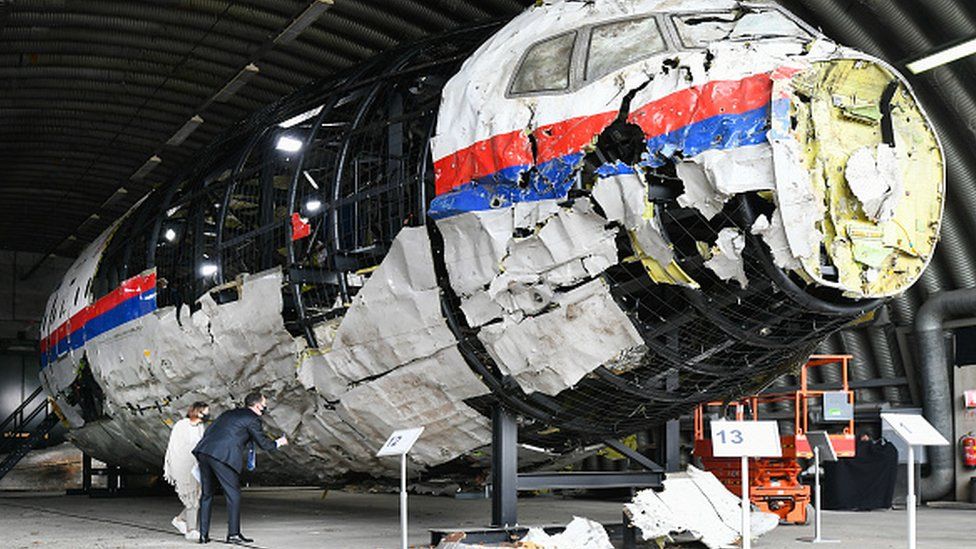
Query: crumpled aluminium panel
(534, 294)
(546, 353)
(697, 504)
(393, 364)
(580, 533)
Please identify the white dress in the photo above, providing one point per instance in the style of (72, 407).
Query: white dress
(180, 461)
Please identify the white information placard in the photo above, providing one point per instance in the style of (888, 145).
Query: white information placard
(400, 442)
(820, 441)
(745, 439)
(914, 430)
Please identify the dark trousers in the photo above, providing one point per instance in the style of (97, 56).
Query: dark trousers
(230, 483)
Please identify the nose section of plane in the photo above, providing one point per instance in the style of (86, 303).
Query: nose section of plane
(860, 176)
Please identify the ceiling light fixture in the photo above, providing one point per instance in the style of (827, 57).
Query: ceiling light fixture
(236, 83)
(311, 181)
(288, 144)
(298, 119)
(116, 196)
(181, 134)
(303, 21)
(943, 57)
(313, 205)
(149, 166)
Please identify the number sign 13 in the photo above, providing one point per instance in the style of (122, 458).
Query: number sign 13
(745, 438)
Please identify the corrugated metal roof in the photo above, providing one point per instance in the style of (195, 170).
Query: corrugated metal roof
(92, 89)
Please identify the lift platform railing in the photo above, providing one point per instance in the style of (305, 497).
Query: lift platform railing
(774, 482)
(799, 401)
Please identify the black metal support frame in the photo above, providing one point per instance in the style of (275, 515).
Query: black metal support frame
(506, 481)
(504, 467)
(117, 482)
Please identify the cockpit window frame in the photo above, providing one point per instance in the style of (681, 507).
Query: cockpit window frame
(666, 26)
(586, 42)
(571, 77)
(581, 46)
(672, 25)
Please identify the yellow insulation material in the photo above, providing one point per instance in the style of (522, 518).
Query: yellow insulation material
(838, 108)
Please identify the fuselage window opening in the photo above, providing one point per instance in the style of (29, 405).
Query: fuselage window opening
(616, 45)
(545, 68)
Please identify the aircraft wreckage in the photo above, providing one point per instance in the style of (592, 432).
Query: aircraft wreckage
(598, 214)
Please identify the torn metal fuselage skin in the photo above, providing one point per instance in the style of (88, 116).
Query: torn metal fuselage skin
(611, 212)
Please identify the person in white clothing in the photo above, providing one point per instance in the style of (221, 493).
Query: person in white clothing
(181, 470)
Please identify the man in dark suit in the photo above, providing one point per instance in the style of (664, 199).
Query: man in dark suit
(221, 454)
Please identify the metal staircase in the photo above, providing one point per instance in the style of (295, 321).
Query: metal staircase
(18, 441)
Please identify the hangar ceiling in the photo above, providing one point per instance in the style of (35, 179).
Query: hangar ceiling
(92, 90)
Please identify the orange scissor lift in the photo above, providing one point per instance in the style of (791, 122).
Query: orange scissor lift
(774, 483)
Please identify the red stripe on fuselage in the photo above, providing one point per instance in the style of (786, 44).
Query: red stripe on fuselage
(134, 286)
(658, 117)
(483, 158)
(693, 105)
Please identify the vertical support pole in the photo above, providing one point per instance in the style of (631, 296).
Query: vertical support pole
(744, 477)
(910, 500)
(672, 433)
(86, 473)
(403, 500)
(816, 501)
(110, 479)
(504, 467)
(630, 531)
(672, 441)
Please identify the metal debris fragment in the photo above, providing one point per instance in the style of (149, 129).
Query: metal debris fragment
(726, 256)
(698, 504)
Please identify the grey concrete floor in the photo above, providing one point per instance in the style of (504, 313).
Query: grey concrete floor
(297, 518)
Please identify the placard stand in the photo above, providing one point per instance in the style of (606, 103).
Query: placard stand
(746, 505)
(745, 439)
(399, 443)
(915, 431)
(823, 450)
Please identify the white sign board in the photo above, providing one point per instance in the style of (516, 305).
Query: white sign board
(914, 430)
(745, 439)
(821, 441)
(400, 442)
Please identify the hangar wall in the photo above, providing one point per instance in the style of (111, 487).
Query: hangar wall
(22, 300)
(22, 304)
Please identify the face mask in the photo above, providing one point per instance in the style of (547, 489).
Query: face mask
(204, 417)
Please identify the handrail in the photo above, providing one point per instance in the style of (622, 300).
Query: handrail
(20, 409)
(42, 407)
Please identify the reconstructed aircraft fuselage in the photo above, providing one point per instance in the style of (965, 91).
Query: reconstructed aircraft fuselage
(599, 215)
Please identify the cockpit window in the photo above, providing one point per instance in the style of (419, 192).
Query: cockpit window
(699, 30)
(619, 44)
(546, 66)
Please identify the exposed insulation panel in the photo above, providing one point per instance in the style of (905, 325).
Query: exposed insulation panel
(874, 175)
